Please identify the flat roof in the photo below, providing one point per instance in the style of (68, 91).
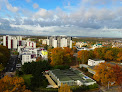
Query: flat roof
(97, 59)
(71, 75)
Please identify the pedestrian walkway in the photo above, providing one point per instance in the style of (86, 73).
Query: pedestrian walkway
(51, 81)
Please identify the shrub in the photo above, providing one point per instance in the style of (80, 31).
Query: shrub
(61, 67)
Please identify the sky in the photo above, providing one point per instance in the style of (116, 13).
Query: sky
(91, 18)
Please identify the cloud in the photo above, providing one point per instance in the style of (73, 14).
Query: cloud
(83, 19)
(35, 6)
(10, 7)
(28, 1)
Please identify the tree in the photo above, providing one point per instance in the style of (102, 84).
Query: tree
(12, 84)
(1, 67)
(98, 53)
(119, 55)
(117, 74)
(36, 69)
(60, 56)
(68, 55)
(57, 56)
(64, 88)
(4, 55)
(83, 55)
(104, 73)
(109, 55)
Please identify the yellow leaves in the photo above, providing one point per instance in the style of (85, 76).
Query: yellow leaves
(12, 84)
(83, 55)
(64, 88)
(60, 56)
(104, 73)
(119, 55)
(108, 55)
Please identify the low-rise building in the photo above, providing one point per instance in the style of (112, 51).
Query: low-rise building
(97, 46)
(80, 44)
(93, 62)
(71, 77)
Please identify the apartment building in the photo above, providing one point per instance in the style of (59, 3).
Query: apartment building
(28, 58)
(29, 54)
(59, 41)
(10, 42)
(13, 42)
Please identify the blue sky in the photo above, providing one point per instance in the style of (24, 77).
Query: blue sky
(94, 18)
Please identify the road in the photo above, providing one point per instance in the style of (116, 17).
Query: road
(11, 65)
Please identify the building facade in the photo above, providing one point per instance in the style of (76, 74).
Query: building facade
(93, 62)
(59, 41)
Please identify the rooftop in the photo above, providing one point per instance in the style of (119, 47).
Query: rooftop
(71, 75)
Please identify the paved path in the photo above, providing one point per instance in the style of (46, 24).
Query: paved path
(51, 81)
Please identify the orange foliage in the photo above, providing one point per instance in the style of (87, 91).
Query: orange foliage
(119, 55)
(118, 74)
(64, 88)
(12, 84)
(104, 73)
(109, 55)
(60, 55)
(83, 55)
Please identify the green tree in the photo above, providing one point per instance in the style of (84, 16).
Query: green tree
(4, 55)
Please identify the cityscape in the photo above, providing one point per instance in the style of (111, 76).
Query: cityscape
(61, 46)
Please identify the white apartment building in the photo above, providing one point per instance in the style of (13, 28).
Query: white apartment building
(10, 42)
(59, 41)
(28, 58)
(95, 62)
(31, 44)
(29, 54)
(44, 41)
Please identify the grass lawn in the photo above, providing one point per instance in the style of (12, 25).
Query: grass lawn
(27, 79)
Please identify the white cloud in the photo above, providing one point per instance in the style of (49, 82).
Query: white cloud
(35, 6)
(10, 7)
(28, 1)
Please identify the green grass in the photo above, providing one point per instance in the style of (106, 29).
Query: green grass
(27, 79)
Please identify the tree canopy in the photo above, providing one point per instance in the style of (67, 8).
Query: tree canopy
(4, 55)
(105, 72)
(60, 56)
(12, 84)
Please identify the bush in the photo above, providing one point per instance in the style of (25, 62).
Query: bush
(19, 73)
(84, 87)
(61, 67)
(84, 69)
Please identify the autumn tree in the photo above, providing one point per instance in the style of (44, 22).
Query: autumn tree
(109, 55)
(68, 55)
(83, 55)
(119, 55)
(64, 88)
(98, 53)
(57, 56)
(12, 84)
(117, 74)
(104, 73)
(60, 56)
